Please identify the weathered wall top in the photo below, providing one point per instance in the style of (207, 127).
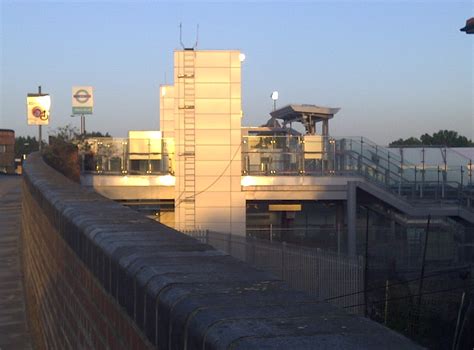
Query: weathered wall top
(182, 294)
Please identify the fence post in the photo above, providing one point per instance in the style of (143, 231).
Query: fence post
(470, 172)
(456, 331)
(283, 251)
(229, 244)
(386, 303)
(366, 268)
(422, 273)
(319, 273)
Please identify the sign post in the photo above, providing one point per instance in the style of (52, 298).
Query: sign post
(82, 103)
(40, 129)
(37, 110)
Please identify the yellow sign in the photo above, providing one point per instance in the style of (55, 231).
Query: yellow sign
(38, 109)
(284, 207)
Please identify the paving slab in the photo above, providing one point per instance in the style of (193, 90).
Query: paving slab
(14, 332)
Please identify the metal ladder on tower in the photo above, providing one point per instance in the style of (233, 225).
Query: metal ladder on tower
(189, 136)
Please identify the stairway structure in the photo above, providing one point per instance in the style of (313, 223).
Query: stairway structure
(418, 185)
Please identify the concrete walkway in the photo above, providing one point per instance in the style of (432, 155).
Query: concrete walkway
(13, 326)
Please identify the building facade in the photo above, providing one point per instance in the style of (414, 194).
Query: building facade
(204, 171)
(7, 151)
(202, 112)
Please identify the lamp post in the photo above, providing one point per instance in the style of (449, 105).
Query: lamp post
(469, 27)
(274, 97)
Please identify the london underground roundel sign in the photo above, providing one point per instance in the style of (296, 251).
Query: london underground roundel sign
(82, 96)
(82, 100)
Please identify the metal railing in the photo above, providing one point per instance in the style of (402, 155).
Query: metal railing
(116, 156)
(309, 155)
(321, 273)
(356, 156)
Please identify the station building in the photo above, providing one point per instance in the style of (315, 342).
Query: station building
(204, 171)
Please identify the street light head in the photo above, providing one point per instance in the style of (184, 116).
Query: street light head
(469, 27)
(274, 95)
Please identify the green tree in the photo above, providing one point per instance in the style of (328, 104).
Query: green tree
(97, 134)
(411, 141)
(25, 145)
(62, 152)
(448, 138)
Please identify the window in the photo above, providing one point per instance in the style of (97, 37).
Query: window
(3, 148)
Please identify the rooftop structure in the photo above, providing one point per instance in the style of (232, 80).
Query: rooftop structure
(306, 114)
(210, 172)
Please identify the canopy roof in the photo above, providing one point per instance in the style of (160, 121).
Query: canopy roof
(299, 113)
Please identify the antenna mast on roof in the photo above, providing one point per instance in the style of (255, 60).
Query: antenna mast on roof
(181, 35)
(197, 37)
(181, 38)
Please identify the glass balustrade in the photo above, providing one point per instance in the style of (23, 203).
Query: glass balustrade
(309, 155)
(114, 156)
(318, 156)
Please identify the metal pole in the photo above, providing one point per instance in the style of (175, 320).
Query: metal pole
(40, 131)
(40, 138)
(445, 173)
(283, 252)
(437, 187)
(388, 176)
(455, 338)
(422, 274)
(366, 269)
(470, 172)
(461, 330)
(414, 188)
(422, 172)
(386, 303)
(83, 125)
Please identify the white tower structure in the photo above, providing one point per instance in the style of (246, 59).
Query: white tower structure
(203, 112)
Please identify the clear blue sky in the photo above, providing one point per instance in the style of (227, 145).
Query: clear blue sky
(396, 69)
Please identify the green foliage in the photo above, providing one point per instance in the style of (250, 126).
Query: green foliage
(62, 151)
(96, 134)
(411, 141)
(25, 145)
(448, 138)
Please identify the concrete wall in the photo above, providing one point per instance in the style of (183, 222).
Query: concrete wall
(99, 275)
